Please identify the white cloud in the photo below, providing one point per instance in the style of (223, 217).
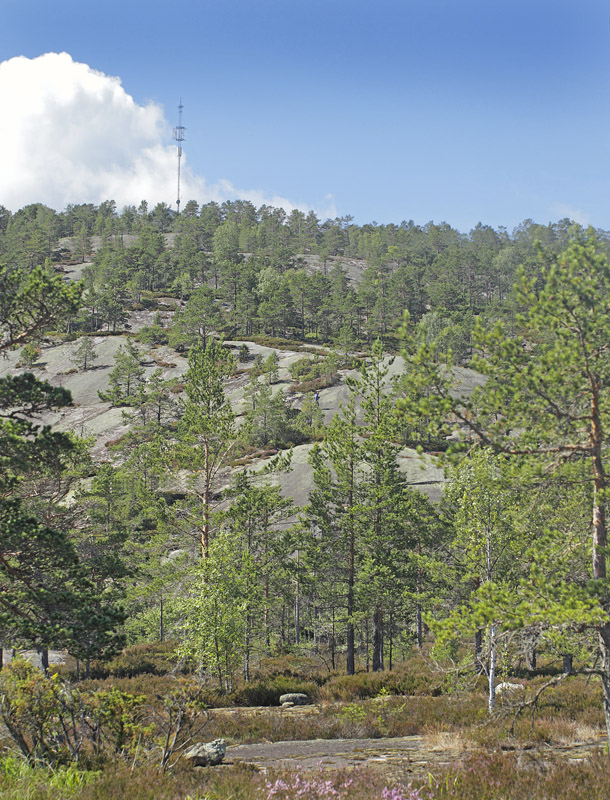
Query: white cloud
(72, 134)
(565, 211)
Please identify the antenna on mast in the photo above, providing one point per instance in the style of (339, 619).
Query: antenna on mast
(179, 138)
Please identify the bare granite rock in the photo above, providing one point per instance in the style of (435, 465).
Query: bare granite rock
(295, 698)
(207, 754)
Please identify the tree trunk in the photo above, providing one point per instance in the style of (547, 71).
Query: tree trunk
(568, 667)
(351, 656)
(351, 661)
(332, 640)
(419, 625)
(247, 650)
(600, 543)
(530, 656)
(418, 615)
(297, 608)
(378, 640)
(161, 632)
(604, 642)
(205, 533)
(478, 649)
(44, 659)
(297, 618)
(492, 668)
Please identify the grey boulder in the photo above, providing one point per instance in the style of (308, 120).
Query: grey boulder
(207, 754)
(296, 698)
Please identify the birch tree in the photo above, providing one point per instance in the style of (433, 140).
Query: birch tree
(484, 537)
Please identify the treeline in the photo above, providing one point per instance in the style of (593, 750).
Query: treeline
(262, 271)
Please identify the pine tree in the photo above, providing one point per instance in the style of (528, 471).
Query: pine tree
(333, 549)
(126, 377)
(369, 524)
(84, 354)
(207, 430)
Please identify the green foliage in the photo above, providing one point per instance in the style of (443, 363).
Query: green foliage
(126, 377)
(196, 321)
(544, 406)
(371, 555)
(53, 722)
(29, 355)
(84, 354)
(269, 420)
(413, 678)
(33, 301)
(46, 597)
(268, 692)
(153, 334)
(215, 613)
(354, 715)
(207, 431)
(314, 374)
(152, 658)
(369, 525)
(24, 445)
(310, 420)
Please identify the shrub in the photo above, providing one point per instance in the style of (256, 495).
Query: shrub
(292, 665)
(306, 370)
(240, 782)
(509, 775)
(103, 333)
(148, 686)
(30, 354)
(153, 658)
(152, 334)
(417, 679)
(51, 721)
(282, 344)
(314, 385)
(268, 692)
(303, 367)
(20, 780)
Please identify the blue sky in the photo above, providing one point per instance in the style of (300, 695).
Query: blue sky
(485, 111)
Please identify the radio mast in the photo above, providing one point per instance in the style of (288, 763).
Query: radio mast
(179, 138)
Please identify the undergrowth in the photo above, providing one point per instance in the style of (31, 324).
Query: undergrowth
(483, 776)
